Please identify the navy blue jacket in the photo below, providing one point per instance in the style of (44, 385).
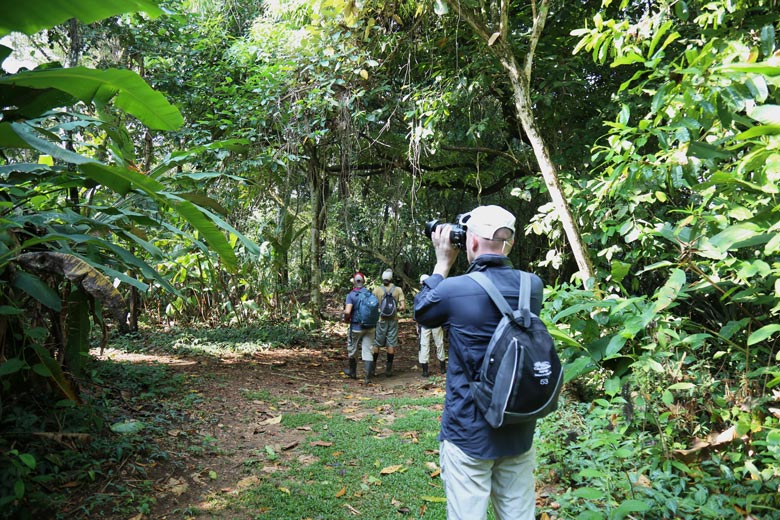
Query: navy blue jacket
(460, 305)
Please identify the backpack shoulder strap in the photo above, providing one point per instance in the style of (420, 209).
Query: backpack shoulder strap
(523, 302)
(492, 291)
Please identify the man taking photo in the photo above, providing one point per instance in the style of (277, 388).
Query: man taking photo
(479, 463)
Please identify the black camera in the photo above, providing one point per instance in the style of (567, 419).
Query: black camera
(457, 233)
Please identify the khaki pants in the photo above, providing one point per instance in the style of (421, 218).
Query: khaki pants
(362, 338)
(470, 483)
(426, 335)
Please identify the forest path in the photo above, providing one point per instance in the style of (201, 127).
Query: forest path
(235, 405)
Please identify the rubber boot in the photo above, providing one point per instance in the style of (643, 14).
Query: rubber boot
(443, 367)
(389, 370)
(369, 369)
(424, 369)
(351, 372)
(373, 365)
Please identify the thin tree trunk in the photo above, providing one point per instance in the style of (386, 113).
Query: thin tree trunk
(317, 190)
(520, 79)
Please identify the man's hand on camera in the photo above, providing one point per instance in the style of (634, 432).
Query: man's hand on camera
(445, 252)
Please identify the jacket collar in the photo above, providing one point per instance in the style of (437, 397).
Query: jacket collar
(482, 262)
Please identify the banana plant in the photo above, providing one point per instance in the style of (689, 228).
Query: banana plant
(76, 212)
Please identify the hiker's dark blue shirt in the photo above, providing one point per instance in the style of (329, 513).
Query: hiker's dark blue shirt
(460, 305)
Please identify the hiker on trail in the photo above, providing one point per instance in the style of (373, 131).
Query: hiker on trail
(391, 302)
(427, 334)
(361, 312)
(479, 463)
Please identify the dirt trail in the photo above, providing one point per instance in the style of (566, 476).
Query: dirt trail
(240, 401)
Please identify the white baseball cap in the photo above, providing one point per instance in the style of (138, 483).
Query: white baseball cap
(387, 275)
(484, 221)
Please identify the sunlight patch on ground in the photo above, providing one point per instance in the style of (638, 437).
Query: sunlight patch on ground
(120, 355)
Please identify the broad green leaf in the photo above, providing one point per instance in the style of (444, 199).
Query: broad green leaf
(758, 131)
(763, 333)
(620, 270)
(671, 289)
(682, 386)
(79, 327)
(10, 310)
(32, 138)
(630, 506)
(128, 427)
(764, 68)
(589, 493)
(56, 372)
(765, 114)
(38, 290)
(704, 150)
(435, 499)
(28, 460)
(127, 89)
(581, 365)
(12, 366)
(34, 15)
(213, 236)
(767, 40)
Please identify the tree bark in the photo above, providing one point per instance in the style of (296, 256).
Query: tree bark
(317, 189)
(520, 80)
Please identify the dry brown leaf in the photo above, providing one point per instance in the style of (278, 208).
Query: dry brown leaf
(643, 481)
(288, 447)
(321, 443)
(247, 482)
(436, 473)
(273, 420)
(341, 492)
(352, 510)
(390, 469)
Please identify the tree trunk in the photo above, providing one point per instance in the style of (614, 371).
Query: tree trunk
(495, 34)
(317, 190)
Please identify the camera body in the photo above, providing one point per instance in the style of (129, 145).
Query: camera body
(457, 233)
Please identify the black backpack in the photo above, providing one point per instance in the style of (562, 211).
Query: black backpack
(521, 375)
(388, 305)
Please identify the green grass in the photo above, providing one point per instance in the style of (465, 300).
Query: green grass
(340, 466)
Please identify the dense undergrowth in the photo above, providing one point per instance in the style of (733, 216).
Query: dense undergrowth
(610, 451)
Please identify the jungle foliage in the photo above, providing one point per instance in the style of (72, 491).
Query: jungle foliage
(228, 163)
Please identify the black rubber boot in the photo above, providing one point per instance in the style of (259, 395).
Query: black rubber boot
(425, 369)
(373, 365)
(443, 367)
(351, 372)
(369, 369)
(389, 370)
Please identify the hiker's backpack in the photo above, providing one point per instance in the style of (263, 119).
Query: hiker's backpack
(388, 305)
(521, 375)
(366, 308)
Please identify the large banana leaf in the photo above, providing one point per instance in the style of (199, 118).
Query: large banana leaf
(33, 15)
(198, 218)
(127, 89)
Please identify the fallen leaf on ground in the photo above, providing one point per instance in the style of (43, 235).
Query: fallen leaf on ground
(352, 510)
(341, 492)
(321, 443)
(391, 469)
